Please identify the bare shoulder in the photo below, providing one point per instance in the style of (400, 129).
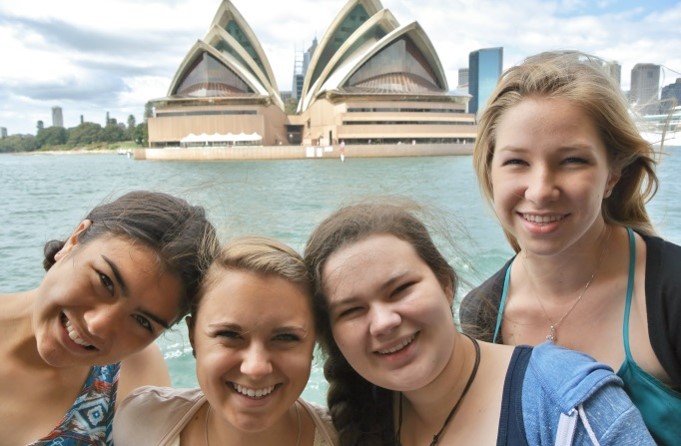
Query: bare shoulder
(145, 368)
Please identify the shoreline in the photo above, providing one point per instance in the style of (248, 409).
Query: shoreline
(218, 153)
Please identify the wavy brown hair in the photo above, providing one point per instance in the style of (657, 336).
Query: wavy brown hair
(361, 411)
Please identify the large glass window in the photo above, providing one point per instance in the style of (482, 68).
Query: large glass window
(398, 68)
(207, 77)
(235, 31)
(350, 23)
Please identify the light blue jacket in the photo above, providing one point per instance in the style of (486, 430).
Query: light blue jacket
(569, 399)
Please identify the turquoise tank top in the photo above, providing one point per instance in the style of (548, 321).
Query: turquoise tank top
(660, 406)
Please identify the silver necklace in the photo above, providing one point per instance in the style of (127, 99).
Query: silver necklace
(553, 326)
(210, 408)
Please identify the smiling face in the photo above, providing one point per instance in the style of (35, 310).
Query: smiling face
(102, 301)
(549, 173)
(253, 338)
(390, 315)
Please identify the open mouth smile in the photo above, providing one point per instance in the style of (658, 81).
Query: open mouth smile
(253, 393)
(73, 334)
(397, 347)
(542, 219)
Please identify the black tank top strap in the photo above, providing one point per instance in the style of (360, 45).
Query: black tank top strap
(511, 425)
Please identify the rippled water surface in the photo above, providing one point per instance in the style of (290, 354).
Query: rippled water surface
(43, 197)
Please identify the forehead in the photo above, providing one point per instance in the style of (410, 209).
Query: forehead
(547, 124)
(538, 114)
(247, 295)
(368, 260)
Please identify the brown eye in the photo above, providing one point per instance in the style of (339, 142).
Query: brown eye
(143, 322)
(106, 282)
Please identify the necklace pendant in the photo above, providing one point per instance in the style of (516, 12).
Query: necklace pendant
(552, 334)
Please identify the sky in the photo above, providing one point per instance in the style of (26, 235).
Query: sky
(91, 57)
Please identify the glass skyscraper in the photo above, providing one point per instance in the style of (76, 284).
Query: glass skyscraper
(484, 69)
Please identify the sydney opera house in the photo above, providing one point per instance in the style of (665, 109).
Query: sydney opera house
(370, 81)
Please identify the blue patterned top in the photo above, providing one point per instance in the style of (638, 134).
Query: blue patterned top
(88, 421)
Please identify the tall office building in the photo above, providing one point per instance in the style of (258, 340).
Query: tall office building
(671, 96)
(57, 117)
(3, 132)
(484, 67)
(463, 77)
(300, 64)
(615, 70)
(645, 85)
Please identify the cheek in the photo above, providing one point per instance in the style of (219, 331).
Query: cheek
(299, 364)
(348, 337)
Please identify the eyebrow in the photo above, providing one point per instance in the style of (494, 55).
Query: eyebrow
(385, 285)
(126, 292)
(156, 319)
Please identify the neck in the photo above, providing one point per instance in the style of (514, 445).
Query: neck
(286, 431)
(426, 409)
(16, 329)
(564, 275)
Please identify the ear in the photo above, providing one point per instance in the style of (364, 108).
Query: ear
(190, 329)
(72, 241)
(613, 178)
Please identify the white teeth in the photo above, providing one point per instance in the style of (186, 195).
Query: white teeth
(253, 393)
(400, 346)
(74, 335)
(542, 219)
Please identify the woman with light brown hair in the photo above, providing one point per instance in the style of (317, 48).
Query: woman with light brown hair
(567, 174)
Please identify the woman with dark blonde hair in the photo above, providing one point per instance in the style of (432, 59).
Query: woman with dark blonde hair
(561, 162)
(252, 331)
(400, 372)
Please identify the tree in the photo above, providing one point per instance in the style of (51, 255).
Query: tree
(141, 135)
(131, 127)
(85, 133)
(18, 143)
(148, 110)
(290, 106)
(52, 136)
(113, 133)
(41, 126)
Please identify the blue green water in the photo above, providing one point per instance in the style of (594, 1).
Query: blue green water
(44, 196)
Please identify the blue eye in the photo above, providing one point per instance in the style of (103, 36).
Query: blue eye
(403, 287)
(349, 311)
(514, 162)
(287, 337)
(575, 160)
(229, 334)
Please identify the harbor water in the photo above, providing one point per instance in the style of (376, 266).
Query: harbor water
(43, 197)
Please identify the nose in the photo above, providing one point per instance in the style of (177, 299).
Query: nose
(256, 361)
(103, 320)
(541, 186)
(384, 318)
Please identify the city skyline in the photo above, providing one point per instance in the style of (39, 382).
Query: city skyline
(89, 59)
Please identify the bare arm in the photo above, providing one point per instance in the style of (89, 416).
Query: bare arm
(145, 368)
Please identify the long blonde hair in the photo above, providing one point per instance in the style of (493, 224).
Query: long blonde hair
(580, 79)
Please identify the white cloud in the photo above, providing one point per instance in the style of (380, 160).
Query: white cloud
(93, 56)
